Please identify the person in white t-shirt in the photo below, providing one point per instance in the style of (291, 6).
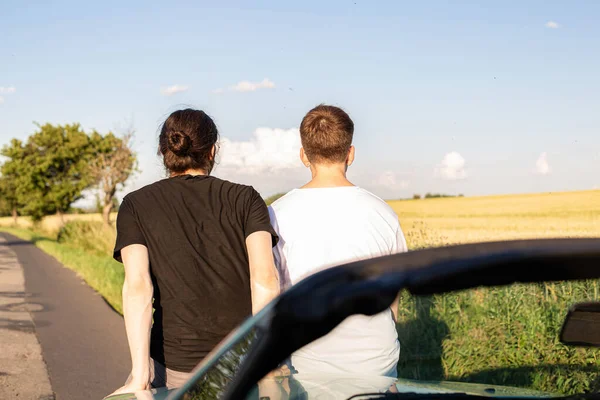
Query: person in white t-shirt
(328, 222)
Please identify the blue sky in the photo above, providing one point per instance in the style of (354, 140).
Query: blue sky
(473, 97)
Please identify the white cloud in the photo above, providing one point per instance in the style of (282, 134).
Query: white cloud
(541, 165)
(552, 25)
(452, 167)
(174, 89)
(7, 90)
(269, 161)
(247, 86)
(269, 149)
(388, 179)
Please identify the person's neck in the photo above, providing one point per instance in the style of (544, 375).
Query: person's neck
(328, 176)
(193, 172)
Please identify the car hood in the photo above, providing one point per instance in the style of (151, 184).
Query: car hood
(476, 389)
(344, 386)
(334, 386)
(154, 394)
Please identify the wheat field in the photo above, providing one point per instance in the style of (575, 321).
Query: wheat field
(444, 221)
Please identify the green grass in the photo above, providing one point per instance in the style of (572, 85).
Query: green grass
(91, 236)
(99, 271)
(503, 336)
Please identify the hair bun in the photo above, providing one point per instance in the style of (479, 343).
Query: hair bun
(179, 143)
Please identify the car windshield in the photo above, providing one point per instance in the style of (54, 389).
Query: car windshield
(499, 341)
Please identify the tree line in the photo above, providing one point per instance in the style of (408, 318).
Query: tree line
(48, 172)
(434, 196)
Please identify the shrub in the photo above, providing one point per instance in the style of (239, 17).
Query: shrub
(90, 236)
(440, 195)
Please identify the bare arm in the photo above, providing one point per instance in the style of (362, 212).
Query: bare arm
(137, 310)
(264, 280)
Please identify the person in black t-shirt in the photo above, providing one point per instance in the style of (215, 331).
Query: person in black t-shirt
(195, 248)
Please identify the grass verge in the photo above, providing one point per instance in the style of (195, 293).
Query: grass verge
(503, 335)
(100, 272)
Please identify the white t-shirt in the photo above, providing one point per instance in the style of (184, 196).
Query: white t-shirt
(325, 227)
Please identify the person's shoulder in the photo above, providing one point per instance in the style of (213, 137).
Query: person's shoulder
(234, 189)
(283, 209)
(137, 199)
(284, 201)
(377, 202)
(371, 197)
(142, 192)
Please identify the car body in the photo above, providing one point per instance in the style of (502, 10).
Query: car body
(236, 369)
(345, 386)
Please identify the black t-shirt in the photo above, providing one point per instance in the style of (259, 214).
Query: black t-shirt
(195, 229)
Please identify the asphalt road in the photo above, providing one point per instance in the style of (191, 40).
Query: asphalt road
(23, 372)
(83, 340)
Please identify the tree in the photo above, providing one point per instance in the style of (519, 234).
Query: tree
(52, 169)
(416, 196)
(113, 163)
(98, 206)
(9, 179)
(8, 197)
(439, 195)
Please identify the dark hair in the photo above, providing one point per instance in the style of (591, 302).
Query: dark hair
(326, 134)
(186, 141)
